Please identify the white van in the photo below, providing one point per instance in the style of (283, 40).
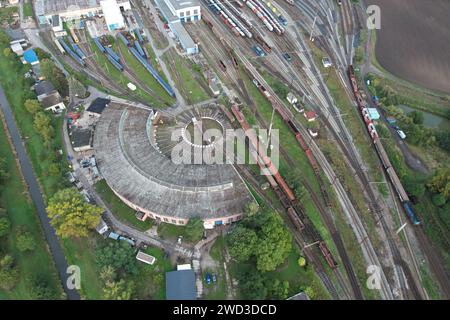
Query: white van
(401, 134)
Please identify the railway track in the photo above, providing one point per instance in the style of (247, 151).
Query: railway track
(355, 288)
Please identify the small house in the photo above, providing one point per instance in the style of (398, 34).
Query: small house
(310, 116)
(102, 227)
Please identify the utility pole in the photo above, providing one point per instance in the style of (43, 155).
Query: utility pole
(312, 29)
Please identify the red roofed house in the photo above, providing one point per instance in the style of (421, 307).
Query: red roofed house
(310, 115)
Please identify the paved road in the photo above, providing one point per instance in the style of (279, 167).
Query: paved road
(36, 196)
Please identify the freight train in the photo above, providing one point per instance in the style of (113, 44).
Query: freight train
(71, 52)
(390, 171)
(277, 182)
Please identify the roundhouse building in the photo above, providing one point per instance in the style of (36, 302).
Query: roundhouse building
(132, 153)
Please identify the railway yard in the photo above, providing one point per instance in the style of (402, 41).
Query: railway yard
(255, 52)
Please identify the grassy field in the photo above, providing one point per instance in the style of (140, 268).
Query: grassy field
(28, 8)
(298, 277)
(150, 280)
(142, 73)
(218, 290)
(186, 79)
(120, 210)
(21, 213)
(78, 252)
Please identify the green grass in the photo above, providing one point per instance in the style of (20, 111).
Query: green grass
(143, 74)
(28, 9)
(150, 280)
(218, 290)
(78, 252)
(187, 83)
(170, 231)
(120, 210)
(22, 213)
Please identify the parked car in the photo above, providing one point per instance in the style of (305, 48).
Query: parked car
(287, 56)
(214, 278)
(208, 278)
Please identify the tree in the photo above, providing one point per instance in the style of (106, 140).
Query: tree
(108, 273)
(301, 261)
(274, 244)
(42, 289)
(417, 117)
(51, 72)
(440, 182)
(309, 291)
(32, 106)
(194, 229)
(120, 290)
(242, 243)
(9, 274)
(25, 240)
(42, 124)
(117, 255)
(414, 187)
(4, 174)
(252, 285)
(251, 208)
(443, 139)
(53, 169)
(71, 215)
(439, 200)
(5, 225)
(7, 52)
(278, 289)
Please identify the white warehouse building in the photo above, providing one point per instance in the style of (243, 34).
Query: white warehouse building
(113, 15)
(178, 12)
(73, 9)
(185, 10)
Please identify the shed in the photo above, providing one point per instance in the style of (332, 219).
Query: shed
(30, 57)
(373, 113)
(102, 227)
(97, 106)
(17, 48)
(146, 258)
(310, 115)
(180, 285)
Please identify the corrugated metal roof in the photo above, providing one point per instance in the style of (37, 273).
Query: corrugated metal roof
(180, 285)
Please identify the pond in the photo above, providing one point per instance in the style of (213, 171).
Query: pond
(429, 120)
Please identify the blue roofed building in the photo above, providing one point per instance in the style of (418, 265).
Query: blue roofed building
(30, 57)
(180, 285)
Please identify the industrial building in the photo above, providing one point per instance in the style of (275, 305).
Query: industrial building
(133, 155)
(113, 15)
(178, 12)
(47, 10)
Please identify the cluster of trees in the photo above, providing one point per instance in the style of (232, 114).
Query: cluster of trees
(439, 185)
(116, 261)
(41, 120)
(262, 238)
(51, 72)
(71, 215)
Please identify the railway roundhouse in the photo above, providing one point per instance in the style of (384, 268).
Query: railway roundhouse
(132, 150)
